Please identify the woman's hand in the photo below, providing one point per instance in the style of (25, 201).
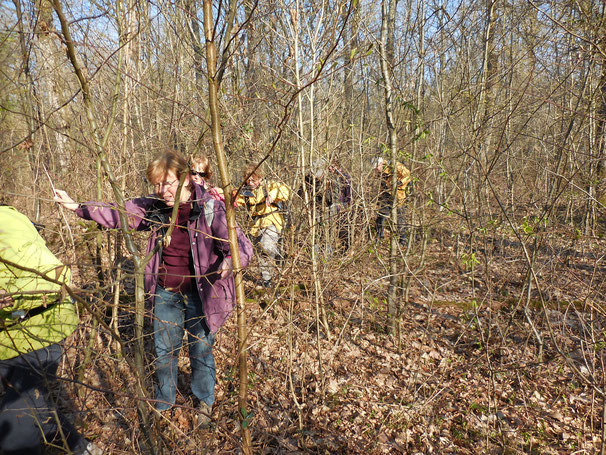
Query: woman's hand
(226, 267)
(61, 197)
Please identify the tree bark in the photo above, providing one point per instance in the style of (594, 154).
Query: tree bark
(99, 147)
(211, 63)
(387, 27)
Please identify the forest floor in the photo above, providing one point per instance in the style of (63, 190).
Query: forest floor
(479, 363)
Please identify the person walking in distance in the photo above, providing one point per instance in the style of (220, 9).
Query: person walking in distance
(385, 171)
(332, 188)
(264, 199)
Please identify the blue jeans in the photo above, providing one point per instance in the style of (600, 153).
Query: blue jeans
(174, 314)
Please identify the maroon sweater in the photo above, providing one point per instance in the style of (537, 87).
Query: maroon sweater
(176, 270)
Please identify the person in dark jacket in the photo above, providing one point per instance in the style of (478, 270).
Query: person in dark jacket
(333, 196)
(340, 187)
(189, 279)
(36, 315)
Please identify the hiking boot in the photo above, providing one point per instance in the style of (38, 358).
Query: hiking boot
(91, 449)
(204, 414)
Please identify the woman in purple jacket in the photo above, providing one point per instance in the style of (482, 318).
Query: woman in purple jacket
(189, 280)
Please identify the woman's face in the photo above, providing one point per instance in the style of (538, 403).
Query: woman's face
(197, 174)
(166, 189)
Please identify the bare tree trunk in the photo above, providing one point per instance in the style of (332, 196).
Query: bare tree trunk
(601, 136)
(194, 34)
(487, 100)
(348, 76)
(310, 200)
(387, 21)
(211, 63)
(49, 60)
(127, 20)
(253, 75)
(99, 147)
(31, 106)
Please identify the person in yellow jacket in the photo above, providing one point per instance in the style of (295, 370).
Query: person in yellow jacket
(386, 172)
(36, 315)
(265, 200)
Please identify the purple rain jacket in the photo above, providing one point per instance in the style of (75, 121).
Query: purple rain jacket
(207, 247)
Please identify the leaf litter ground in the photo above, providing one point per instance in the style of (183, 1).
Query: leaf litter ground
(465, 374)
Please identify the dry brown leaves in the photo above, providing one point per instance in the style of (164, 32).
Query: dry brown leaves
(464, 375)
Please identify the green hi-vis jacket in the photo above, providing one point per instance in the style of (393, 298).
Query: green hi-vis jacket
(35, 312)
